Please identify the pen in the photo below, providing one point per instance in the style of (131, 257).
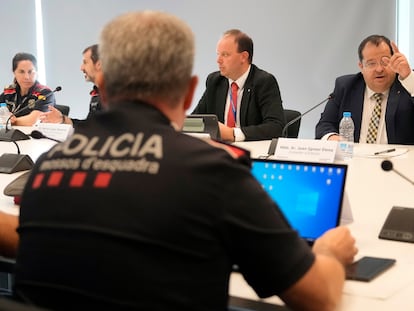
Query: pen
(384, 151)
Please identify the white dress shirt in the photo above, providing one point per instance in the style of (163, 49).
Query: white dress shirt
(238, 134)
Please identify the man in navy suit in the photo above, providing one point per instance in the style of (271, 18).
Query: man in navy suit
(257, 112)
(386, 71)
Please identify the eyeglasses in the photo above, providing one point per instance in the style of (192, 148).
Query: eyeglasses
(372, 64)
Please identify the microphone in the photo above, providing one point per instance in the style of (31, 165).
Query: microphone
(38, 135)
(30, 105)
(387, 166)
(284, 130)
(32, 102)
(11, 162)
(10, 134)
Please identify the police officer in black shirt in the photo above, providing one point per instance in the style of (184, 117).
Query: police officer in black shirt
(129, 213)
(25, 91)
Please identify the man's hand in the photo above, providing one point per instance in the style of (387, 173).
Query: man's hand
(399, 63)
(13, 119)
(227, 133)
(337, 242)
(52, 116)
(334, 137)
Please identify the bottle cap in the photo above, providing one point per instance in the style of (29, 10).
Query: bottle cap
(346, 114)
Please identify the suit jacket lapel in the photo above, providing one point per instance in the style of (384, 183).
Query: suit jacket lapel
(222, 93)
(247, 93)
(357, 110)
(392, 105)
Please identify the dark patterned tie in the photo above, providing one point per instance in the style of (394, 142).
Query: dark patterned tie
(375, 118)
(231, 116)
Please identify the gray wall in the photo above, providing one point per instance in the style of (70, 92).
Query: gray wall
(305, 44)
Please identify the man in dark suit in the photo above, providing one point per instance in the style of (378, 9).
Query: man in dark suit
(384, 71)
(254, 111)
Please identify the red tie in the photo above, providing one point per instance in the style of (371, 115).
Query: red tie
(231, 116)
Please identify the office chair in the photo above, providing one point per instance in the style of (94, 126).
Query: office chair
(6, 276)
(63, 109)
(7, 304)
(243, 304)
(293, 129)
(7, 301)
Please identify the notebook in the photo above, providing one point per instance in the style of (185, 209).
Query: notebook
(310, 195)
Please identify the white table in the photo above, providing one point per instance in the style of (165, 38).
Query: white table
(371, 192)
(32, 147)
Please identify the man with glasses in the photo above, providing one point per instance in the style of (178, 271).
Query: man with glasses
(386, 81)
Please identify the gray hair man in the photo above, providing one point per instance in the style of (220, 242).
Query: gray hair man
(149, 218)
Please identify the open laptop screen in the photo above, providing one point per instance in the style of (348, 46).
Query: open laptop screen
(309, 194)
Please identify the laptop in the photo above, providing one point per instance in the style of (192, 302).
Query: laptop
(309, 194)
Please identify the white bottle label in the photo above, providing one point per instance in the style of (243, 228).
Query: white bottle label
(346, 149)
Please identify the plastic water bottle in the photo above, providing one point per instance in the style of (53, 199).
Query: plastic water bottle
(4, 115)
(346, 136)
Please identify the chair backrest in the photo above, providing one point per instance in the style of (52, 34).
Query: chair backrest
(63, 109)
(9, 304)
(293, 129)
(6, 277)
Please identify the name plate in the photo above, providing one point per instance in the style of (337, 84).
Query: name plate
(306, 150)
(56, 131)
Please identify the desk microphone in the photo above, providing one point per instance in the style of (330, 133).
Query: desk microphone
(386, 165)
(284, 131)
(12, 162)
(273, 143)
(38, 135)
(15, 162)
(398, 224)
(8, 134)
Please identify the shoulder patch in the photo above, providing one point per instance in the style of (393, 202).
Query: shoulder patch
(39, 89)
(234, 151)
(94, 91)
(10, 89)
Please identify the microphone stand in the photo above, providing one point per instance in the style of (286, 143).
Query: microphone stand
(15, 162)
(12, 162)
(284, 130)
(273, 143)
(38, 135)
(387, 166)
(17, 146)
(11, 134)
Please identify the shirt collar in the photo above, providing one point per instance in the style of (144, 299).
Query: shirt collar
(370, 93)
(175, 126)
(242, 79)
